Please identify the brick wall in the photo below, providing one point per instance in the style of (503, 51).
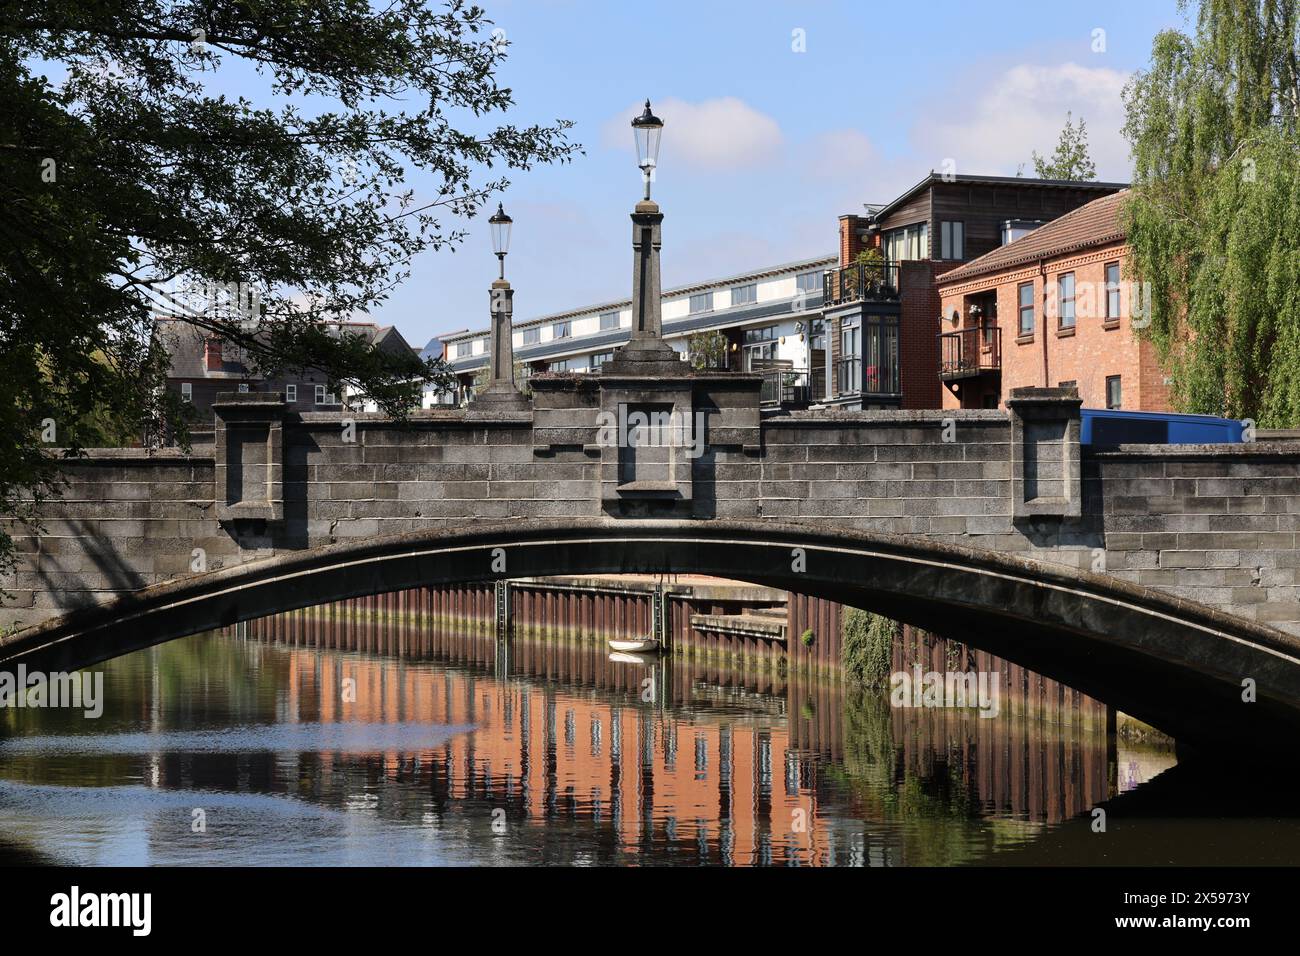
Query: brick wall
(919, 333)
(1096, 348)
(850, 244)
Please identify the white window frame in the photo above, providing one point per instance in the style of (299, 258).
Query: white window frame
(703, 299)
(187, 392)
(291, 393)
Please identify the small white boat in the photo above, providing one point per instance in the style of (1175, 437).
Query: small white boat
(644, 645)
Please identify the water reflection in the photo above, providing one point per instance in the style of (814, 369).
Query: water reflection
(454, 751)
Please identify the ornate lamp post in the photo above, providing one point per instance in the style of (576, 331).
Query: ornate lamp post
(647, 128)
(500, 224)
(501, 393)
(646, 353)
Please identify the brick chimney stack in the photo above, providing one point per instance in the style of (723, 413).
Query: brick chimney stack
(212, 354)
(850, 243)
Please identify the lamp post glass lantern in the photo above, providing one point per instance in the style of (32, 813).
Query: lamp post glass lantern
(500, 224)
(647, 128)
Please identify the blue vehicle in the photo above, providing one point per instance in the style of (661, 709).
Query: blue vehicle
(1115, 426)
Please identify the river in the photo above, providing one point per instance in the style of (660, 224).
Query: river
(222, 749)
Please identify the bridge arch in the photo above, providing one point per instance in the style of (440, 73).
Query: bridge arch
(1173, 663)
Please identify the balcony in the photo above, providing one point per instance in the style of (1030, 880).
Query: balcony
(789, 386)
(862, 281)
(969, 352)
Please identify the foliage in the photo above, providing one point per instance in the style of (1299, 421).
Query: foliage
(1214, 214)
(126, 183)
(707, 349)
(867, 646)
(806, 638)
(1070, 159)
(873, 260)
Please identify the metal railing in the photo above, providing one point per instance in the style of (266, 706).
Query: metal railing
(861, 280)
(786, 386)
(968, 352)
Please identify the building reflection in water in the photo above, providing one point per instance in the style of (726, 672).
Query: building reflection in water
(572, 753)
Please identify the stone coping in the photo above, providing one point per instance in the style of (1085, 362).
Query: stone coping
(889, 416)
(1258, 449)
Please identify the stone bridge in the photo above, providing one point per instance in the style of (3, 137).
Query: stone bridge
(1155, 577)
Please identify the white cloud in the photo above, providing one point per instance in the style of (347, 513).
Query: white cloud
(845, 168)
(995, 125)
(723, 133)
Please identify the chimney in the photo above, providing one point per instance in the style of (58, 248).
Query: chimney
(850, 243)
(212, 354)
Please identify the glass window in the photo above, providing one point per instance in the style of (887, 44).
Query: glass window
(600, 358)
(291, 393)
(187, 391)
(1065, 298)
(953, 240)
(760, 344)
(560, 330)
(532, 336)
(909, 242)
(808, 282)
(1113, 395)
(850, 359)
(702, 302)
(578, 364)
(880, 355)
(608, 320)
(320, 394)
(1112, 291)
(464, 348)
(243, 386)
(1026, 294)
(744, 294)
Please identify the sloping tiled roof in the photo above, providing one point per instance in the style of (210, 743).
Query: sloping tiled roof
(1092, 224)
(187, 346)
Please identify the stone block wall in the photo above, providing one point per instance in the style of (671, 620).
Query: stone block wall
(1212, 524)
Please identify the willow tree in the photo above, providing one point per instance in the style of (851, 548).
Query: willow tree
(1214, 215)
(128, 179)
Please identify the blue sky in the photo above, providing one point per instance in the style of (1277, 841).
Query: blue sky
(764, 146)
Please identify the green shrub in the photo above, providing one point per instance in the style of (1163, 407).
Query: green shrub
(867, 646)
(806, 638)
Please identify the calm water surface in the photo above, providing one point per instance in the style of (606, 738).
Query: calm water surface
(222, 750)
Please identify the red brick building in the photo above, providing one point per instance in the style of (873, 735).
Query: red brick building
(880, 318)
(1053, 308)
